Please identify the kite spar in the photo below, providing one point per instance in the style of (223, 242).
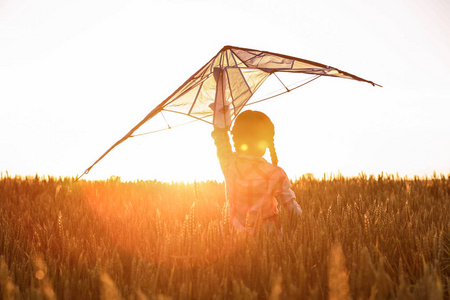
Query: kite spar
(244, 71)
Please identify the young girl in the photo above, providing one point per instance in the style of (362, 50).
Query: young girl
(253, 185)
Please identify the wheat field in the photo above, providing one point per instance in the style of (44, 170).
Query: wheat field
(365, 237)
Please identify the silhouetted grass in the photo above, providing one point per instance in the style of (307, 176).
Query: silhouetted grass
(365, 237)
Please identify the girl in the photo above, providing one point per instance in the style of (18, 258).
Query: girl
(253, 185)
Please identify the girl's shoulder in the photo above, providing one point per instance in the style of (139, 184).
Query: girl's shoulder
(270, 169)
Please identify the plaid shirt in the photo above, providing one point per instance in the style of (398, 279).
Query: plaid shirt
(253, 185)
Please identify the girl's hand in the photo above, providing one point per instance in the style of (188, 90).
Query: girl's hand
(222, 116)
(294, 208)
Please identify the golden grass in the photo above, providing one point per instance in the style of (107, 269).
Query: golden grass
(360, 238)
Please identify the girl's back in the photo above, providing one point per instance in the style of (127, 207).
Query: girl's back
(253, 185)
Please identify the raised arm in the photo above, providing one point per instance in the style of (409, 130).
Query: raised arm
(224, 151)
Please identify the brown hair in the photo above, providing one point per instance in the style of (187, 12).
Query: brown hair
(252, 127)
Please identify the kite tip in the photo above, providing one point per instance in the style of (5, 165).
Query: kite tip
(227, 47)
(372, 83)
(85, 173)
(376, 84)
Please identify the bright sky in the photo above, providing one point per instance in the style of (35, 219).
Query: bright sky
(75, 76)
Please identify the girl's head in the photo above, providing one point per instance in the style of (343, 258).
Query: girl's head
(253, 133)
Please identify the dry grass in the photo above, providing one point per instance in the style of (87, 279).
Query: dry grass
(361, 238)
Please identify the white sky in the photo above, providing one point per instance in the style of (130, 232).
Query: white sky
(75, 76)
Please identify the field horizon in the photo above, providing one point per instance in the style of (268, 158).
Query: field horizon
(321, 177)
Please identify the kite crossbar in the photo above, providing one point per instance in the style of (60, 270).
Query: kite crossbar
(287, 90)
(197, 118)
(126, 136)
(164, 129)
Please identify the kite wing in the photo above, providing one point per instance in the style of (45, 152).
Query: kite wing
(244, 70)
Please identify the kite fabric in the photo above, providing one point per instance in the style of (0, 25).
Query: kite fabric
(240, 72)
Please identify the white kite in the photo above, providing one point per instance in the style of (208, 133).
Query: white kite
(229, 80)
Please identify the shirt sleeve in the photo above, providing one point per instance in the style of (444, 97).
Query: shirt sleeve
(286, 196)
(284, 193)
(224, 151)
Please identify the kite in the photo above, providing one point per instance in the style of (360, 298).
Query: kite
(230, 79)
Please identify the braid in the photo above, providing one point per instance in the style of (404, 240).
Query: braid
(273, 153)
